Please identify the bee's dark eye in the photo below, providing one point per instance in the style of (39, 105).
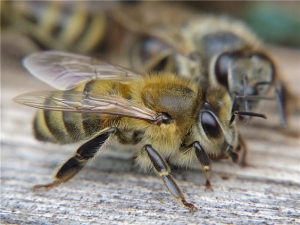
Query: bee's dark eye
(221, 68)
(210, 125)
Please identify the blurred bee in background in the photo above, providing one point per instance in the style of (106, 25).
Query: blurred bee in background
(164, 116)
(205, 48)
(231, 55)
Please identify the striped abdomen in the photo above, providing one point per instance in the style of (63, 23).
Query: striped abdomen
(59, 25)
(69, 127)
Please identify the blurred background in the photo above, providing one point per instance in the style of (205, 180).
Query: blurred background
(24, 24)
(276, 22)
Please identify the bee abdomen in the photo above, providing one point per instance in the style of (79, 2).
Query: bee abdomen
(59, 25)
(65, 127)
(40, 128)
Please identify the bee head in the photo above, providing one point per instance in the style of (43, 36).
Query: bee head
(232, 69)
(214, 116)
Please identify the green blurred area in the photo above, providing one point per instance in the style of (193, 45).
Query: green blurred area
(276, 22)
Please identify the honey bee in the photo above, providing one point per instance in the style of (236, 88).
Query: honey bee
(166, 118)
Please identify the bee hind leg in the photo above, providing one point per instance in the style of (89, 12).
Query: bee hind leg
(74, 164)
(163, 170)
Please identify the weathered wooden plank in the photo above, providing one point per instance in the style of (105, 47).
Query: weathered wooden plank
(111, 191)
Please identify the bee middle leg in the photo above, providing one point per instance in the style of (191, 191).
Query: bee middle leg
(83, 154)
(162, 169)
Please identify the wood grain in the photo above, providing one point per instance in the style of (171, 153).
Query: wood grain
(112, 191)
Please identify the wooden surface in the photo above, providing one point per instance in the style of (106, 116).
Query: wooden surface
(111, 191)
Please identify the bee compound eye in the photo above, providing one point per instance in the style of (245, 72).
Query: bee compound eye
(210, 125)
(222, 65)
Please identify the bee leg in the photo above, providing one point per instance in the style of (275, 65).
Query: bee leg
(204, 161)
(163, 170)
(247, 108)
(83, 154)
(242, 147)
(281, 98)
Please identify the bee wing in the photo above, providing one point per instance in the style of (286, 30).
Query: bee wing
(72, 101)
(64, 71)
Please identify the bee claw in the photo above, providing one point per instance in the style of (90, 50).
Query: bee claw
(208, 186)
(190, 206)
(46, 187)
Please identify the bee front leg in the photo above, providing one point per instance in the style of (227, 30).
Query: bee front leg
(281, 94)
(163, 170)
(287, 103)
(73, 165)
(204, 161)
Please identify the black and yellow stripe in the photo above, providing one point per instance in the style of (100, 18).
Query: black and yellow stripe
(59, 25)
(69, 127)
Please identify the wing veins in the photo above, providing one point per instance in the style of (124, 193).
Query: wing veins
(78, 102)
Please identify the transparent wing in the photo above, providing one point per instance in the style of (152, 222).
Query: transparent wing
(64, 71)
(72, 101)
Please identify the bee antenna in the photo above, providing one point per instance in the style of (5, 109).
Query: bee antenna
(234, 112)
(246, 114)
